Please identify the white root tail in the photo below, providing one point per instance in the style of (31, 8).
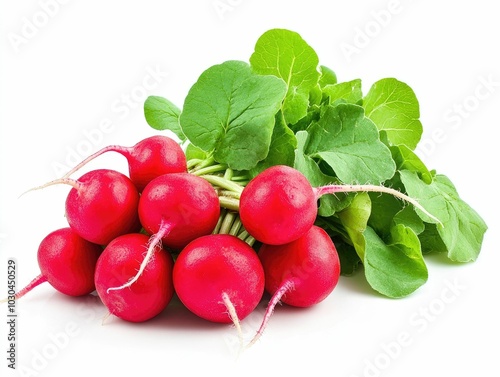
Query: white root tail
(154, 242)
(233, 315)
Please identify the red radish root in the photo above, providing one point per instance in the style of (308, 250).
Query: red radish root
(219, 278)
(148, 159)
(152, 291)
(67, 262)
(301, 273)
(279, 205)
(101, 205)
(33, 284)
(175, 208)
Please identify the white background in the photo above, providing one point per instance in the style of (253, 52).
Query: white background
(67, 69)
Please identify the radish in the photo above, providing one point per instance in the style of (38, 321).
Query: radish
(152, 291)
(148, 159)
(101, 205)
(279, 205)
(219, 278)
(176, 208)
(67, 262)
(301, 273)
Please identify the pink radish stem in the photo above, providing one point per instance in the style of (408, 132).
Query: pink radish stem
(286, 286)
(33, 284)
(154, 241)
(125, 151)
(332, 189)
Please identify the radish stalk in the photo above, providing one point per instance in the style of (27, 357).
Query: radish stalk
(333, 189)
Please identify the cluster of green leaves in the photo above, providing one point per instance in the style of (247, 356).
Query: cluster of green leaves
(283, 107)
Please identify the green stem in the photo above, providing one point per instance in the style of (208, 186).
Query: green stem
(235, 228)
(193, 162)
(219, 222)
(222, 182)
(230, 194)
(243, 234)
(227, 222)
(209, 169)
(229, 174)
(250, 240)
(209, 161)
(229, 203)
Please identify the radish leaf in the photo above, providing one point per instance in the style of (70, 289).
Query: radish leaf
(463, 228)
(285, 54)
(393, 107)
(161, 114)
(230, 111)
(396, 268)
(349, 142)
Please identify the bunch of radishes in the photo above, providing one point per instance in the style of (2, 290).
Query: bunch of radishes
(125, 232)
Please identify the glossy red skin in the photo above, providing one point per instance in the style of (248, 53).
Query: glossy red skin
(68, 262)
(278, 205)
(104, 207)
(187, 202)
(212, 265)
(150, 294)
(311, 263)
(155, 156)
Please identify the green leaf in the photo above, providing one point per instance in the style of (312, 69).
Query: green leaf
(161, 114)
(282, 147)
(431, 240)
(315, 99)
(355, 219)
(285, 54)
(406, 159)
(349, 91)
(193, 152)
(328, 204)
(349, 259)
(463, 228)
(349, 142)
(384, 208)
(396, 268)
(328, 76)
(408, 217)
(230, 111)
(393, 107)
